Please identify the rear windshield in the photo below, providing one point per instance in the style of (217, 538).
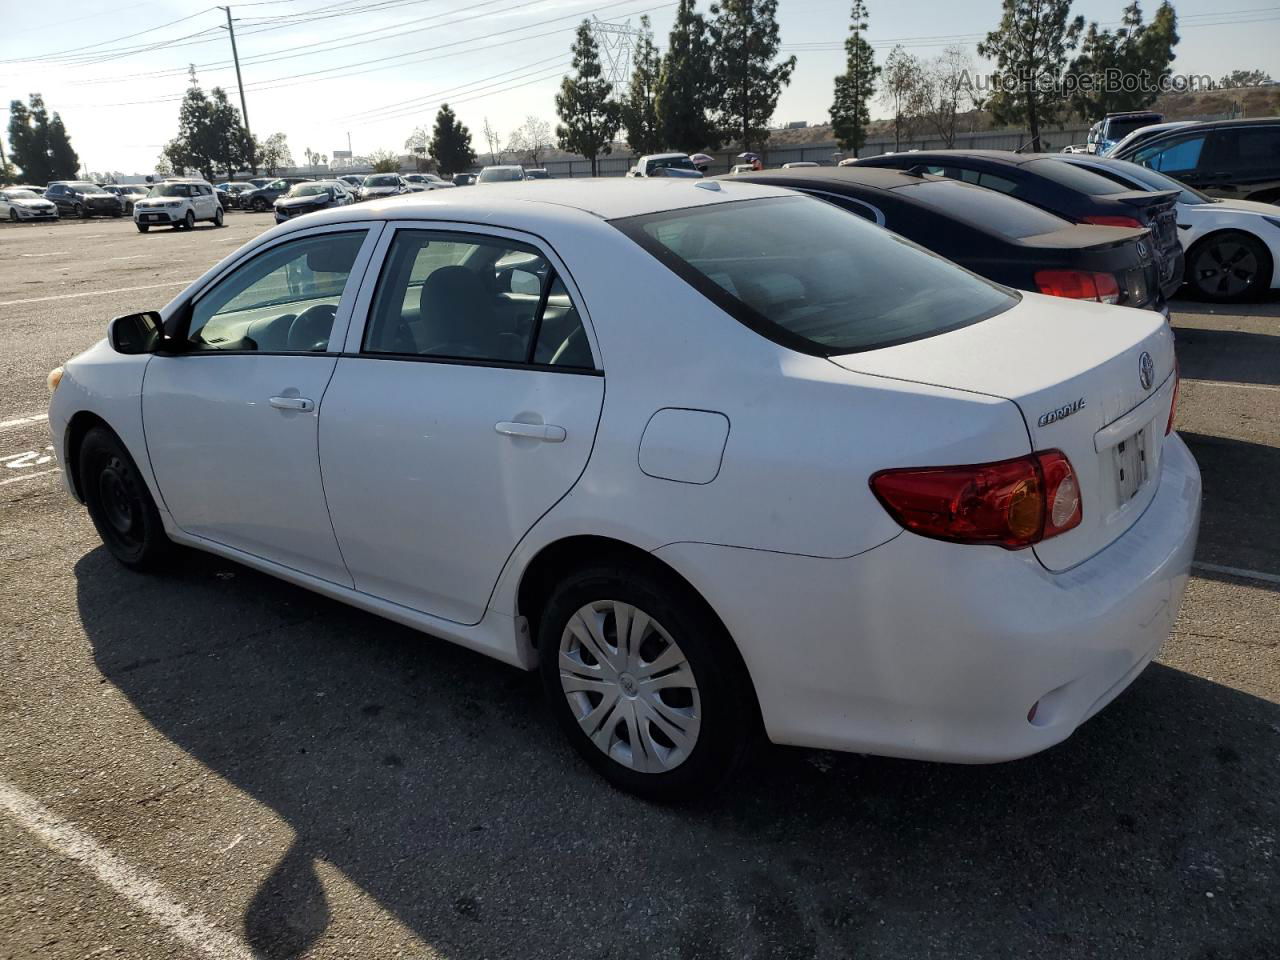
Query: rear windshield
(985, 209)
(500, 174)
(388, 181)
(1159, 181)
(1075, 178)
(1118, 129)
(812, 277)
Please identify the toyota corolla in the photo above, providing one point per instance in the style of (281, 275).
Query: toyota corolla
(714, 457)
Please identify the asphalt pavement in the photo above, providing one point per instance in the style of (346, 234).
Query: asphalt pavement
(212, 763)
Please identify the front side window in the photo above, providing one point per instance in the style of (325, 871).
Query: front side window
(282, 301)
(462, 296)
(811, 277)
(1182, 156)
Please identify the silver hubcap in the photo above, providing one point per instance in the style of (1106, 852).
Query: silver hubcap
(629, 686)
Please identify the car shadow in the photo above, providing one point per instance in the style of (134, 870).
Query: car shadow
(1229, 355)
(1240, 505)
(435, 780)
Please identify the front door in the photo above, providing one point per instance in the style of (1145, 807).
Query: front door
(463, 411)
(230, 421)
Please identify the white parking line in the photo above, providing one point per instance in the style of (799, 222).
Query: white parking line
(143, 892)
(23, 420)
(51, 253)
(27, 476)
(1240, 572)
(1237, 386)
(136, 256)
(97, 293)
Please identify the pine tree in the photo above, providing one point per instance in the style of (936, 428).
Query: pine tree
(640, 108)
(64, 162)
(850, 114)
(226, 135)
(31, 144)
(589, 117)
(744, 44)
(1133, 49)
(451, 142)
(687, 89)
(1030, 50)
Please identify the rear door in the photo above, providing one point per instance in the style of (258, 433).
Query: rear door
(463, 408)
(1243, 160)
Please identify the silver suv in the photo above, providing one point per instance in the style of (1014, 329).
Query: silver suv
(178, 203)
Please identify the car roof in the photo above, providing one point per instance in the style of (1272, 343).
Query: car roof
(879, 178)
(999, 156)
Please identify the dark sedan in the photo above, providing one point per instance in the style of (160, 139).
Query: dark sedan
(998, 237)
(79, 198)
(309, 197)
(263, 199)
(128, 194)
(1078, 195)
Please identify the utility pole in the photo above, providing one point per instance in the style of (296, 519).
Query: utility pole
(244, 110)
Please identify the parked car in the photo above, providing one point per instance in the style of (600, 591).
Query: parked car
(665, 165)
(1232, 246)
(378, 185)
(19, 204)
(800, 165)
(739, 168)
(79, 198)
(464, 179)
(128, 193)
(1232, 159)
(1114, 127)
(178, 202)
(1143, 134)
(261, 199)
(1075, 194)
(950, 522)
(260, 182)
(537, 173)
(999, 237)
(310, 197)
(503, 173)
(353, 181)
(425, 181)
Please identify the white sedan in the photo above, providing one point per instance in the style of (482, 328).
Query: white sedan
(714, 457)
(17, 204)
(1232, 246)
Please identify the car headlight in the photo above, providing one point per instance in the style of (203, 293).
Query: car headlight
(54, 378)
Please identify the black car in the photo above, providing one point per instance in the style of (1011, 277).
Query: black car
(80, 198)
(998, 237)
(1072, 193)
(1232, 159)
(127, 192)
(309, 197)
(264, 198)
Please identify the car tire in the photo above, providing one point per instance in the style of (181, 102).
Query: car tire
(189, 221)
(142, 227)
(13, 215)
(693, 730)
(119, 502)
(218, 218)
(1228, 267)
(259, 205)
(81, 212)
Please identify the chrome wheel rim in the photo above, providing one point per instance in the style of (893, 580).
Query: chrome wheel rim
(629, 686)
(1226, 268)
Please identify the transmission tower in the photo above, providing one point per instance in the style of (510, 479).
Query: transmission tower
(617, 42)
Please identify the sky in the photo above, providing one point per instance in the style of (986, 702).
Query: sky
(372, 70)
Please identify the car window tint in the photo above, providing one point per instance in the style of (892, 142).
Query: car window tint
(994, 182)
(1179, 157)
(457, 295)
(1002, 214)
(1247, 148)
(282, 300)
(562, 340)
(1075, 178)
(813, 278)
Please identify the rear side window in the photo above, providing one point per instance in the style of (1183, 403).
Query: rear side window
(1075, 178)
(1181, 156)
(1247, 149)
(1004, 215)
(810, 277)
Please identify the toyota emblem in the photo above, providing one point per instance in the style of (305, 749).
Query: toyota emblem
(1146, 370)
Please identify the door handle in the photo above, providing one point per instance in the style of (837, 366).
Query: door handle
(293, 403)
(534, 431)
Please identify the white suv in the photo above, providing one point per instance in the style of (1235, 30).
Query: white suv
(178, 203)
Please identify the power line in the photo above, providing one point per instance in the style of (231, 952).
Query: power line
(102, 43)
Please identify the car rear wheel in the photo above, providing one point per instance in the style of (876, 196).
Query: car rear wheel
(142, 227)
(218, 217)
(81, 212)
(119, 502)
(1229, 266)
(189, 221)
(259, 205)
(644, 682)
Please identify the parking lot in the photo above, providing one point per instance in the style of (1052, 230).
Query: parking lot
(212, 763)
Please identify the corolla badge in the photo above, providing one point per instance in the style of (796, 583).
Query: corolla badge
(1146, 370)
(1061, 413)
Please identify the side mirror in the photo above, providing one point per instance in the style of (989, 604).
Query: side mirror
(135, 333)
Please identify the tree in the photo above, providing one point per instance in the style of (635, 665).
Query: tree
(947, 88)
(494, 140)
(163, 167)
(590, 118)
(532, 138)
(850, 115)
(904, 92)
(228, 141)
(1030, 48)
(384, 161)
(1141, 51)
(451, 142)
(417, 144)
(686, 86)
(195, 146)
(274, 153)
(640, 105)
(744, 47)
(1245, 78)
(39, 144)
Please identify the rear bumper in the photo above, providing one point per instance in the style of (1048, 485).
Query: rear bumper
(938, 651)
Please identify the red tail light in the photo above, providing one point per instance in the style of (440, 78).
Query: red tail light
(1079, 285)
(1173, 405)
(1103, 221)
(1011, 503)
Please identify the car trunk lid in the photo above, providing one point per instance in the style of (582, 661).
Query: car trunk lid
(1077, 373)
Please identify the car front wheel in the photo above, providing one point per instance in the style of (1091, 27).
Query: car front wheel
(1229, 266)
(142, 227)
(217, 217)
(259, 205)
(119, 502)
(189, 221)
(81, 212)
(645, 682)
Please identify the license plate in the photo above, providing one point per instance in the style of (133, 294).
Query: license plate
(151, 217)
(1131, 465)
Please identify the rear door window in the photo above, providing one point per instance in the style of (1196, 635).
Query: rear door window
(810, 277)
(1176, 158)
(1247, 150)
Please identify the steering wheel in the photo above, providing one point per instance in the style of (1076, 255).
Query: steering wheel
(310, 329)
